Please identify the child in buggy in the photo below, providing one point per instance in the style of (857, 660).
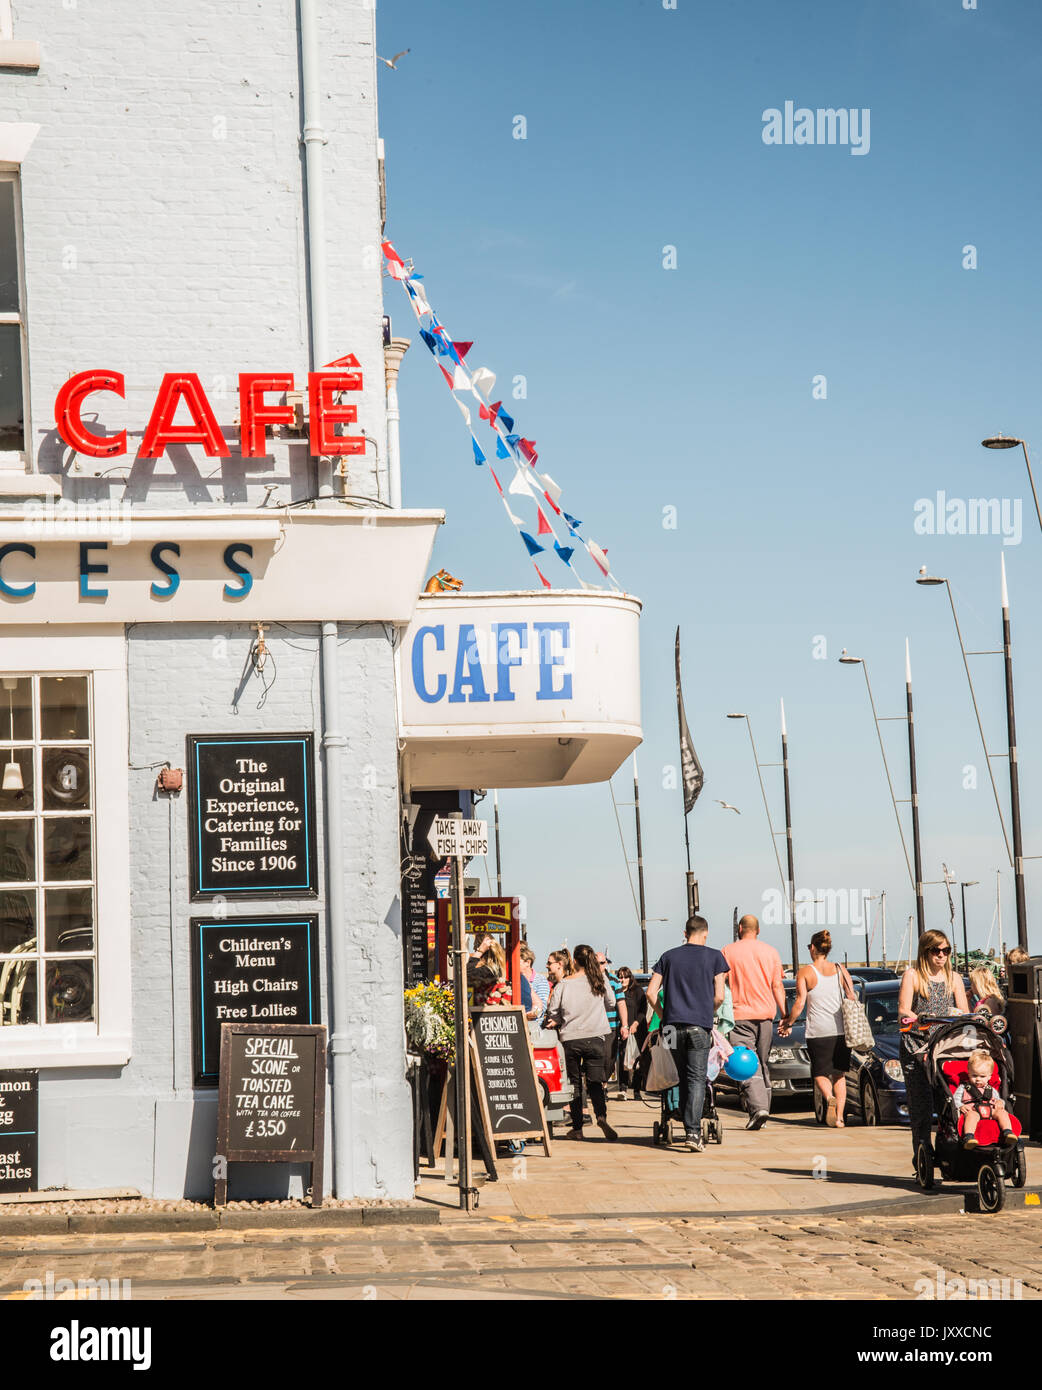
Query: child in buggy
(954, 1044)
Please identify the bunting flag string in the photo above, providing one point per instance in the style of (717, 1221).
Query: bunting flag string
(511, 446)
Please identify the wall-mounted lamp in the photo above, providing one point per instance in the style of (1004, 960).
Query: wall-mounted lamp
(12, 772)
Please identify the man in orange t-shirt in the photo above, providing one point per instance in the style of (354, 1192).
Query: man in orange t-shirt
(757, 992)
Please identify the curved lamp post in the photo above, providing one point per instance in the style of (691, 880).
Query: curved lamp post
(1002, 441)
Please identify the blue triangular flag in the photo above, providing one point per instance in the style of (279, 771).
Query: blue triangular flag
(479, 457)
(572, 522)
(428, 338)
(565, 551)
(511, 438)
(507, 420)
(533, 546)
(502, 452)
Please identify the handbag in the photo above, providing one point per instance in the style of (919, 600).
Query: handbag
(856, 1028)
(662, 1074)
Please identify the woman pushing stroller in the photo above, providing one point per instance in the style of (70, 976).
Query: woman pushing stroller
(930, 988)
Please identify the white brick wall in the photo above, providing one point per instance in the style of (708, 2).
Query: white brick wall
(163, 206)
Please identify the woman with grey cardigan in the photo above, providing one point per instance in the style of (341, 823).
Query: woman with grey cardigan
(577, 1009)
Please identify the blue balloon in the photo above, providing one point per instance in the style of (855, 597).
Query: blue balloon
(742, 1064)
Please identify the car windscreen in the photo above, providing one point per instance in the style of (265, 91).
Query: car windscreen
(881, 1008)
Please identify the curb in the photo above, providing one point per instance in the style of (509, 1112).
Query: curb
(132, 1222)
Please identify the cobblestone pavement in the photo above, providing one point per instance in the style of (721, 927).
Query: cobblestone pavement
(831, 1257)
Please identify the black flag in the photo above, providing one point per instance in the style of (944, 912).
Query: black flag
(690, 767)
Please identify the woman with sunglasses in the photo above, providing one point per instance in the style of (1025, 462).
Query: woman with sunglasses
(932, 988)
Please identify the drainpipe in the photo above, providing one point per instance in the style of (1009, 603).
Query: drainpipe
(333, 740)
(314, 137)
(394, 351)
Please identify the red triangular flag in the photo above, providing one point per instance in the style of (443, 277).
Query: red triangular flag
(527, 447)
(445, 375)
(493, 411)
(483, 412)
(542, 576)
(552, 503)
(463, 348)
(545, 529)
(496, 480)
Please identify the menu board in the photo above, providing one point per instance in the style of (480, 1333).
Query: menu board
(250, 970)
(414, 920)
(506, 1070)
(251, 806)
(271, 1104)
(19, 1130)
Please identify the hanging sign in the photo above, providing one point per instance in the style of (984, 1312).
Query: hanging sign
(19, 1130)
(250, 970)
(251, 807)
(451, 836)
(272, 1102)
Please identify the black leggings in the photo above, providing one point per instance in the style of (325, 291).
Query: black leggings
(920, 1102)
(592, 1057)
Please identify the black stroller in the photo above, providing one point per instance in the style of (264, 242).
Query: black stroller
(671, 1113)
(990, 1165)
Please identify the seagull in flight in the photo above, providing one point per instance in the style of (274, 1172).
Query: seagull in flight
(728, 807)
(393, 62)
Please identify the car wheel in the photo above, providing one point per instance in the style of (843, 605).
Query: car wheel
(869, 1104)
(820, 1106)
(991, 1188)
(924, 1167)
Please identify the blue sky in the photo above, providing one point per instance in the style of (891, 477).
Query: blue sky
(691, 388)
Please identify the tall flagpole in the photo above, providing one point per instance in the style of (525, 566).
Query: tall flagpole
(920, 912)
(788, 840)
(1014, 774)
(692, 779)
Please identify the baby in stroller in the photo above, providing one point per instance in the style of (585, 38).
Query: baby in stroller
(978, 1099)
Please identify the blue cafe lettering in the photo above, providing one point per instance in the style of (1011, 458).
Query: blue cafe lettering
(482, 669)
(93, 569)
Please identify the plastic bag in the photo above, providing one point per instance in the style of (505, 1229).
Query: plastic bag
(632, 1052)
(719, 1052)
(662, 1074)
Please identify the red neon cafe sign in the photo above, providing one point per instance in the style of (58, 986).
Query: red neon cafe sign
(185, 388)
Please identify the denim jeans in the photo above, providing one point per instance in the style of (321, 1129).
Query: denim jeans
(691, 1054)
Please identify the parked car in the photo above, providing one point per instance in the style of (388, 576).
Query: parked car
(875, 1081)
(872, 972)
(788, 1061)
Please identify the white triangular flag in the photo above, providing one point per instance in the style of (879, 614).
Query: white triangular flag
(463, 411)
(551, 487)
(482, 380)
(460, 379)
(520, 486)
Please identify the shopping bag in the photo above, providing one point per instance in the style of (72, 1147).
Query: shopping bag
(719, 1051)
(662, 1074)
(856, 1028)
(632, 1052)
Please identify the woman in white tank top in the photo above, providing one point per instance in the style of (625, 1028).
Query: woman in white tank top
(821, 986)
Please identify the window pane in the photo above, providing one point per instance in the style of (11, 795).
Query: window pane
(17, 851)
(12, 410)
(63, 707)
(12, 796)
(70, 919)
(66, 848)
(17, 921)
(8, 251)
(66, 779)
(70, 991)
(17, 992)
(16, 708)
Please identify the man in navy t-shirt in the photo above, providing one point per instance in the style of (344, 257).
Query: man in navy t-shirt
(692, 977)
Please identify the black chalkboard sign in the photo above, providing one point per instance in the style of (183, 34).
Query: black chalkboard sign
(507, 1075)
(271, 1105)
(250, 970)
(414, 920)
(251, 808)
(19, 1130)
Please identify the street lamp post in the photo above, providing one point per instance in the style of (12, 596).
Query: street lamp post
(1002, 441)
(916, 877)
(1016, 853)
(788, 836)
(788, 886)
(970, 883)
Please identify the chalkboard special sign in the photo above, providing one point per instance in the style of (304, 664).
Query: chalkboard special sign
(249, 970)
(414, 920)
(271, 1106)
(506, 1071)
(19, 1130)
(251, 806)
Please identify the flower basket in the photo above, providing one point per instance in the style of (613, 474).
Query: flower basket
(430, 1020)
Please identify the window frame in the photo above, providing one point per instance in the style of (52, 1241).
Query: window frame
(99, 651)
(12, 459)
